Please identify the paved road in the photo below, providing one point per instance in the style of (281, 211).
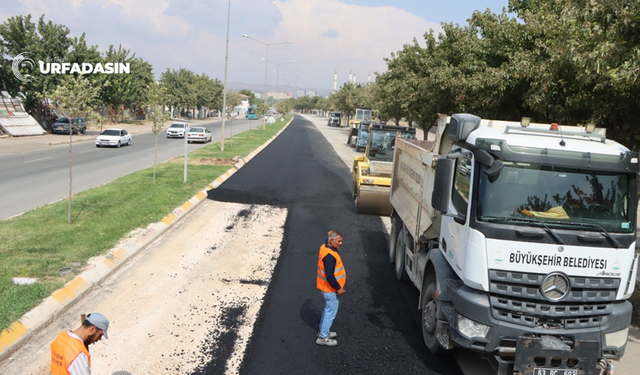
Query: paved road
(36, 178)
(377, 322)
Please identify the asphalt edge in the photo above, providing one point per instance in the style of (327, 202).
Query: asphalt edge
(36, 319)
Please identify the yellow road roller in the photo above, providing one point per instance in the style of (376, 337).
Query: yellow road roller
(362, 114)
(372, 171)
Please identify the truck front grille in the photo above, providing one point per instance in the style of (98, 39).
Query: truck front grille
(516, 298)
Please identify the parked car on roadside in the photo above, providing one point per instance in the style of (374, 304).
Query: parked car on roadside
(199, 134)
(176, 130)
(61, 126)
(114, 137)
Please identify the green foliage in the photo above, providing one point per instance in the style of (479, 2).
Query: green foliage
(250, 94)
(568, 61)
(156, 97)
(208, 92)
(75, 97)
(285, 106)
(233, 100)
(45, 41)
(128, 90)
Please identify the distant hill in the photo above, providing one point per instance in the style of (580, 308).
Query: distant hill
(259, 88)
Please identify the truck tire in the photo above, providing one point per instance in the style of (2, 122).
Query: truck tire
(396, 224)
(430, 306)
(401, 273)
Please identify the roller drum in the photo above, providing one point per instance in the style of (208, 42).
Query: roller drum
(373, 200)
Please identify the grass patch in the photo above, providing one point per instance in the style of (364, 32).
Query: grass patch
(40, 242)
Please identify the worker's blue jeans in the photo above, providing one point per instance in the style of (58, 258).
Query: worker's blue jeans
(328, 314)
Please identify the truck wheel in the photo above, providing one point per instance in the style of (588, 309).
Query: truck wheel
(430, 307)
(393, 238)
(401, 273)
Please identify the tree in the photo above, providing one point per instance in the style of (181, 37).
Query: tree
(250, 94)
(45, 41)
(284, 106)
(262, 111)
(233, 100)
(74, 97)
(155, 101)
(125, 89)
(208, 92)
(180, 87)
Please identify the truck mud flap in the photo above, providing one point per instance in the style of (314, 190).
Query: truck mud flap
(373, 200)
(550, 356)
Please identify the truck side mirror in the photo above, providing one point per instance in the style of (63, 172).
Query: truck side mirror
(442, 186)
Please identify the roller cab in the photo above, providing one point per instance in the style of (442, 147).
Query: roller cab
(372, 170)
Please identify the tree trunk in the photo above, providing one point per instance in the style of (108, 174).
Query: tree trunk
(155, 159)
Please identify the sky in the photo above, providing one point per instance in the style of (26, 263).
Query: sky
(327, 36)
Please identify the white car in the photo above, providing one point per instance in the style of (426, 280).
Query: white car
(114, 137)
(177, 130)
(199, 134)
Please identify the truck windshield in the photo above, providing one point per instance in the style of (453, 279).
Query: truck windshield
(363, 114)
(559, 197)
(382, 143)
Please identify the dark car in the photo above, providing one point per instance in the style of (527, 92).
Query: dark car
(61, 126)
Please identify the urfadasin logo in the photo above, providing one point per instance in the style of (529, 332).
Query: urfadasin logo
(61, 67)
(22, 61)
(84, 68)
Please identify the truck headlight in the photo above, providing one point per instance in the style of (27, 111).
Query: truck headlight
(616, 339)
(470, 329)
(367, 181)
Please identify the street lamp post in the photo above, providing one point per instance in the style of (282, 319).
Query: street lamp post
(224, 94)
(266, 67)
(278, 75)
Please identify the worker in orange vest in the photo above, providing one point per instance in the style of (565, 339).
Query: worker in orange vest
(330, 280)
(70, 350)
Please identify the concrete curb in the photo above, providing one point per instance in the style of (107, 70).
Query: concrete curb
(19, 333)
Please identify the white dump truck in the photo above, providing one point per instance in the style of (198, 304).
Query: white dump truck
(521, 238)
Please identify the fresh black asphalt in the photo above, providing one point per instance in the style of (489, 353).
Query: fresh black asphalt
(378, 323)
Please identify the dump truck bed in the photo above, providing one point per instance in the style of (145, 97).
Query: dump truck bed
(412, 186)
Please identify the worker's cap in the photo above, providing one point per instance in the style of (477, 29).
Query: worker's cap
(100, 321)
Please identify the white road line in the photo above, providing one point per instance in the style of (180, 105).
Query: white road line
(31, 161)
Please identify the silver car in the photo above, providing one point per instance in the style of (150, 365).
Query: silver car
(114, 137)
(199, 134)
(176, 130)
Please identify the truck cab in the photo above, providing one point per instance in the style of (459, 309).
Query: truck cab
(335, 119)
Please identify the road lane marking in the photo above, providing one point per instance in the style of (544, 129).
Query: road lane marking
(31, 161)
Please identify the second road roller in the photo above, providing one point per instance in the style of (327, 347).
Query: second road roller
(372, 171)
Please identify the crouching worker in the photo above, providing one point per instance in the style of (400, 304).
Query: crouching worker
(70, 350)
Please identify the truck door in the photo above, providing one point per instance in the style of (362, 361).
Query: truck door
(455, 227)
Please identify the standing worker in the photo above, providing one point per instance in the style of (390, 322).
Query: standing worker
(330, 280)
(70, 350)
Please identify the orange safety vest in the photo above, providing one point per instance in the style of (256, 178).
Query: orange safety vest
(64, 350)
(339, 272)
